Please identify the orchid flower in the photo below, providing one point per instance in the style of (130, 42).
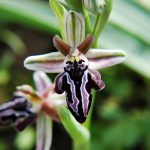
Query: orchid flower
(17, 112)
(29, 105)
(76, 62)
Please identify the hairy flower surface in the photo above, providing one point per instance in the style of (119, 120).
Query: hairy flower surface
(77, 65)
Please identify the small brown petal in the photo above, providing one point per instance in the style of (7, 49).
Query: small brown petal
(61, 45)
(86, 44)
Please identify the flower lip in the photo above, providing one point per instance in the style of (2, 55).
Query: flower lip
(18, 112)
(17, 103)
(76, 63)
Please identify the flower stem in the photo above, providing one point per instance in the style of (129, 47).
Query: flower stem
(82, 146)
(88, 28)
(95, 24)
(101, 20)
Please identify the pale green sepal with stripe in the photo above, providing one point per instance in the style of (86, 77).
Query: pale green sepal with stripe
(74, 28)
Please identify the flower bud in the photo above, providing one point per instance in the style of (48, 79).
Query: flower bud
(74, 28)
(96, 7)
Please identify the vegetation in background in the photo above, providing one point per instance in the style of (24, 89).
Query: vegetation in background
(121, 113)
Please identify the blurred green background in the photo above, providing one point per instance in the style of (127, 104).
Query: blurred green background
(121, 118)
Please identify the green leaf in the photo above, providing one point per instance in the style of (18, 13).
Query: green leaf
(131, 19)
(59, 11)
(74, 5)
(138, 55)
(78, 133)
(102, 18)
(6, 62)
(30, 13)
(12, 40)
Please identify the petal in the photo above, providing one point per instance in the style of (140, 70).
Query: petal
(29, 93)
(59, 82)
(43, 132)
(49, 109)
(102, 58)
(61, 45)
(52, 62)
(15, 103)
(41, 80)
(25, 89)
(7, 116)
(96, 82)
(17, 112)
(22, 123)
(86, 44)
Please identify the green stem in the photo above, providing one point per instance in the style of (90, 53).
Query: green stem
(95, 24)
(88, 28)
(95, 45)
(101, 20)
(80, 146)
(79, 134)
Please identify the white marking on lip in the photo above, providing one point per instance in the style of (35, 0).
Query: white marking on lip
(84, 93)
(74, 104)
